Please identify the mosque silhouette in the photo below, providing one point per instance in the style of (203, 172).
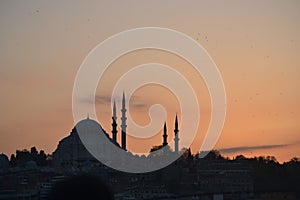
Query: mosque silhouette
(72, 152)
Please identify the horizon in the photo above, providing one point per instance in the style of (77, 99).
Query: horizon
(222, 152)
(183, 149)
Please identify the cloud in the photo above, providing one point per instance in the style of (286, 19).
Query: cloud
(139, 106)
(102, 99)
(106, 99)
(99, 99)
(250, 148)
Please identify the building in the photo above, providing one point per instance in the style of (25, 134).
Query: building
(71, 152)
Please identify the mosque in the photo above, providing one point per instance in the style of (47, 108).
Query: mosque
(71, 151)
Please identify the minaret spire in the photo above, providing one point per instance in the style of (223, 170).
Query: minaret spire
(115, 111)
(165, 135)
(123, 119)
(176, 130)
(114, 123)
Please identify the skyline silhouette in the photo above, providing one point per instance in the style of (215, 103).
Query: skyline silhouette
(188, 177)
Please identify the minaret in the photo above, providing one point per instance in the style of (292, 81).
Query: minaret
(123, 126)
(165, 143)
(114, 123)
(176, 139)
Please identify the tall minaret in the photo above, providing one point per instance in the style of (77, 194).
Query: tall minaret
(176, 139)
(165, 143)
(123, 126)
(114, 123)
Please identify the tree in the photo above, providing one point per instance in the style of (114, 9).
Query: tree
(213, 155)
(33, 152)
(12, 160)
(240, 157)
(155, 148)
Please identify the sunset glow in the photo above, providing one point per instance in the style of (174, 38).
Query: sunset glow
(254, 44)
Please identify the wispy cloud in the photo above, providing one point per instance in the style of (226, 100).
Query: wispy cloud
(99, 99)
(139, 106)
(102, 99)
(251, 148)
(106, 99)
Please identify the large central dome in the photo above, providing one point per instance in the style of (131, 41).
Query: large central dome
(71, 151)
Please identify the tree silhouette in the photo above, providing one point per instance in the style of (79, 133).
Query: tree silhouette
(23, 156)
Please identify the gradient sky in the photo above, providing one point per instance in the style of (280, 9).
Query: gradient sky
(255, 45)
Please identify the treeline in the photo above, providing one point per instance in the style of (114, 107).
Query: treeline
(268, 174)
(22, 157)
(271, 176)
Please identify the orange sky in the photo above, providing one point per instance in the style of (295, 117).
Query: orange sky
(255, 45)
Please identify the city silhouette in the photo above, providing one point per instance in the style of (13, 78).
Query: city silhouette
(71, 172)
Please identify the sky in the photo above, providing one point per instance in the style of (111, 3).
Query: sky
(255, 45)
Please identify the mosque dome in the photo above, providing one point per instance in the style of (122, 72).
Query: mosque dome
(71, 150)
